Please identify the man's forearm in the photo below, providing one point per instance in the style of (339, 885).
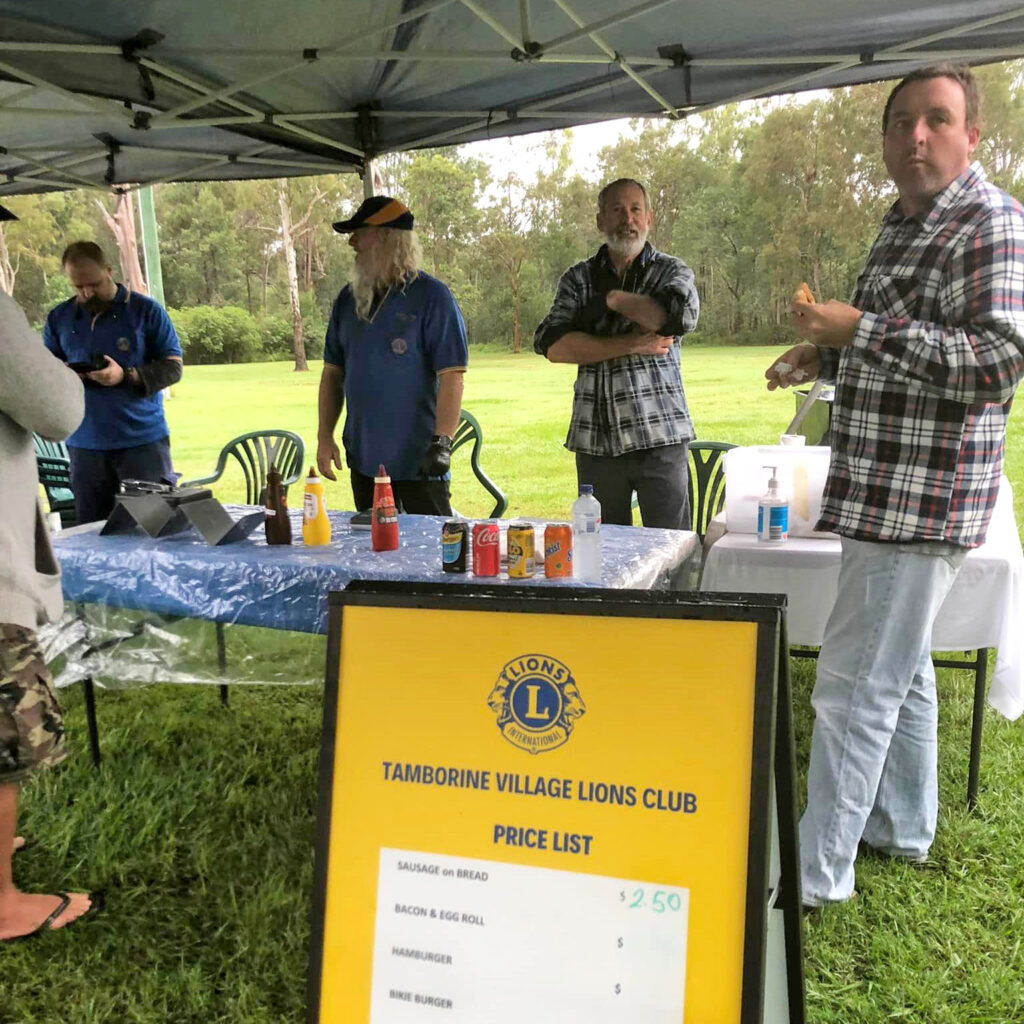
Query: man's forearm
(641, 309)
(450, 384)
(582, 349)
(330, 401)
(152, 377)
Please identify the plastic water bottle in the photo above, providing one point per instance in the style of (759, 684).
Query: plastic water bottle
(586, 535)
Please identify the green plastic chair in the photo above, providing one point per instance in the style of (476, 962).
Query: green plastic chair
(706, 483)
(254, 452)
(469, 430)
(54, 465)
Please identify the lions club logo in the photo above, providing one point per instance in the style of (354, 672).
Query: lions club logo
(537, 702)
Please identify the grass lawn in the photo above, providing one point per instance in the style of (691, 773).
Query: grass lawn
(200, 824)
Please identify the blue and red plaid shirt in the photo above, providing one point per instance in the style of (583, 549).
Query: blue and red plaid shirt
(924, 392)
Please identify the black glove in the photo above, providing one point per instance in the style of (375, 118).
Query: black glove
(438, 457)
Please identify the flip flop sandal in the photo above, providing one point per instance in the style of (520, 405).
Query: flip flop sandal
(97, 900)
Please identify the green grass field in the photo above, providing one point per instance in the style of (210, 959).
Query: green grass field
(523, 405)
(200, 824)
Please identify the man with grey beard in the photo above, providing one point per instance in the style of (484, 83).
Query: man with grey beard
(619, 316)
(396, 352)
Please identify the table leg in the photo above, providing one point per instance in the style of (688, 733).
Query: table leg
(974, 764)
(222, 663)
(90, 718)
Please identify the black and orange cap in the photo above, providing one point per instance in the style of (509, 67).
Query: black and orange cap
(378, 212)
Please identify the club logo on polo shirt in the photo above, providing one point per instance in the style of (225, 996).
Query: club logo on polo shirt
(399, 346)
(124, 344)
(537, 702)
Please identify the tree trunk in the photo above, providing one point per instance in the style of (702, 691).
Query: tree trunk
(516, 340)
(293, 277)
(122, 227)
(8, 272)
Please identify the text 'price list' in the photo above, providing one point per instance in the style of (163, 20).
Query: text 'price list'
(463, 941)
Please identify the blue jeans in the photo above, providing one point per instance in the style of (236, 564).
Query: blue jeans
(873, 770)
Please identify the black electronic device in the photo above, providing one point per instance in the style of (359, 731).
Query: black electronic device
(98, 361)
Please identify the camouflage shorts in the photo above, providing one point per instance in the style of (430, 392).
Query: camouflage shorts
(31, 726)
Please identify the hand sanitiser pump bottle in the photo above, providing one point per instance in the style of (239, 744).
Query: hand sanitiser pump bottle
(772, 513)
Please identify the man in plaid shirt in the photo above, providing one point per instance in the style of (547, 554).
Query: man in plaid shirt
(926, 360)
(618, 316)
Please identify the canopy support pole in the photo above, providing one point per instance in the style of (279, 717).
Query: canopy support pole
(151, 244)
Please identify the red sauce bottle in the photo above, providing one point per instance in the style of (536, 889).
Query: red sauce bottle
(384, 524)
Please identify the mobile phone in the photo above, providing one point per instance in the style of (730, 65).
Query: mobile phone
(97, 362)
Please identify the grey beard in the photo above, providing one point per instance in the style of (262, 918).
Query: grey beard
(625, 248)
(364, 286)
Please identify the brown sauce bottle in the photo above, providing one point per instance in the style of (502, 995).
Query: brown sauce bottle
(277, 523)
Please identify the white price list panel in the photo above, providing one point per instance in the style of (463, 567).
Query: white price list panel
(464, 941)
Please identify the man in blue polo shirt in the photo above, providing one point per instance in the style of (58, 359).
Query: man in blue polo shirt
(396, 352)
(125, 350)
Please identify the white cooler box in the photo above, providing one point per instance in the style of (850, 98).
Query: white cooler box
(801, 473)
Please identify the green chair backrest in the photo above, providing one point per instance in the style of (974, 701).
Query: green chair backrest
(55, 476)
(469, 430)
(254, 452)
(51, 449)
(707, 482)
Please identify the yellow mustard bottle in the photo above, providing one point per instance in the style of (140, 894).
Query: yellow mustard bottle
(316, 527)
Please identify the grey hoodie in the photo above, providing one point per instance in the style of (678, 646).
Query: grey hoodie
(37, 393)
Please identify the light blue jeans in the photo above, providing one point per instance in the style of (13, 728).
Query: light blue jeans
(873, 769)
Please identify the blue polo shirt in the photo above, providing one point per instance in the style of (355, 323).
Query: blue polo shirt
(135, 330)
(390, 366)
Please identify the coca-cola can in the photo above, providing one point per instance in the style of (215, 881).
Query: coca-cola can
(486, 556)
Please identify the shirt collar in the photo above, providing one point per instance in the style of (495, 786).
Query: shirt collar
(121, 297)
(972, 176)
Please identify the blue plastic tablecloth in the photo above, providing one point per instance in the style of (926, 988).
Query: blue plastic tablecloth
(287, 587)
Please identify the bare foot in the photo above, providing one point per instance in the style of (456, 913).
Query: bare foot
(22, 913)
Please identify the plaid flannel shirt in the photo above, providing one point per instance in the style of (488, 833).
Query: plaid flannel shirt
(924, 392)
(628, 403)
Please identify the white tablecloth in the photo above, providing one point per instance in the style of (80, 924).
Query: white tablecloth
(984, 609)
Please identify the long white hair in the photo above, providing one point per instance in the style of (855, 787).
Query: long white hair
(395, 261)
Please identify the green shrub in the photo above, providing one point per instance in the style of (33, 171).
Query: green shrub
(218, 334)
(276, 332)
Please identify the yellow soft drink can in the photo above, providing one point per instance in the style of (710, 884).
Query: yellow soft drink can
(521, 556)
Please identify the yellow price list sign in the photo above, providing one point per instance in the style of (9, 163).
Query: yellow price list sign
(530, 814)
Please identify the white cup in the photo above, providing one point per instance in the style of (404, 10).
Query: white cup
(53, 522)
(792, 440)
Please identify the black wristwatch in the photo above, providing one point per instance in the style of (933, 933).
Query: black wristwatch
(443, 440)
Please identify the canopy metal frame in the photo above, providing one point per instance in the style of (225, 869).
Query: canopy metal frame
(229, 109)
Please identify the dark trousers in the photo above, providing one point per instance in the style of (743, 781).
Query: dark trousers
(97, 475)
(658, 475)
(416, 497)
